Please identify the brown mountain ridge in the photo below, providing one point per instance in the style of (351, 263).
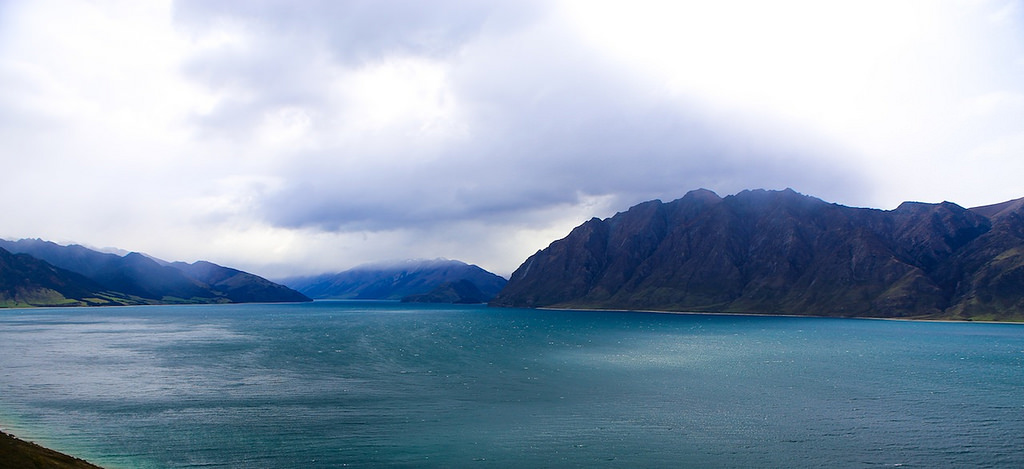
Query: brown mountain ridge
(781, 252)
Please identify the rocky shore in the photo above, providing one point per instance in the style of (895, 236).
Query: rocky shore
(20, 454)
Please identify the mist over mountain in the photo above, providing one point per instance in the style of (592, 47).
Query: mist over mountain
(395, 280)
(139, 279)
(780, 252)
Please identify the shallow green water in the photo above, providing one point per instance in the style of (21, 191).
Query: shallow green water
(369, 384)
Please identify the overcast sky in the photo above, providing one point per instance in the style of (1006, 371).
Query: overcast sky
(287, 138)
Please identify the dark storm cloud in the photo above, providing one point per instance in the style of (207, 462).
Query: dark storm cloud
(547, 121)
(521, 167)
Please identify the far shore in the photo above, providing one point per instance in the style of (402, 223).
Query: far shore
(551, 308)
(780, 315)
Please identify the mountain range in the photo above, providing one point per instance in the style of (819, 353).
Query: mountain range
(781, 252)
(418, 280)
(761, 252)
(34, 272)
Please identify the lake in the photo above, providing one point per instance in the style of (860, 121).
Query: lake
(371, 384)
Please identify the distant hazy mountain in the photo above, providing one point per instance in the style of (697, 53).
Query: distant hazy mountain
(146, 280)
(396, 280)
(782, 252)
(460, 292)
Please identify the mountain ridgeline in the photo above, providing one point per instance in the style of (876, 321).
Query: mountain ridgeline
(417, 280)
(27, 281)
(41, 273)
(780, 252)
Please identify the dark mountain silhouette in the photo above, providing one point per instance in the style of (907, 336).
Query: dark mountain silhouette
(396, 280)
(780, 252)
(147, 280)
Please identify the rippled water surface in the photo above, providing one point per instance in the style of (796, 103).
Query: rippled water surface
(369, 384)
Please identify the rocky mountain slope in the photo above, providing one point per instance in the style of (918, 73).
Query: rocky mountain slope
(780, 252)
(396, 280)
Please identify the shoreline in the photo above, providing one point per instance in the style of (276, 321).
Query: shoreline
(709, 313)
(552, 308)
(18, 453)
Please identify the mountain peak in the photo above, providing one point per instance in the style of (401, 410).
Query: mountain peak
(702, 194)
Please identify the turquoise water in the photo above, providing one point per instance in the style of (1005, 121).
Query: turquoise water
(370, 384)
